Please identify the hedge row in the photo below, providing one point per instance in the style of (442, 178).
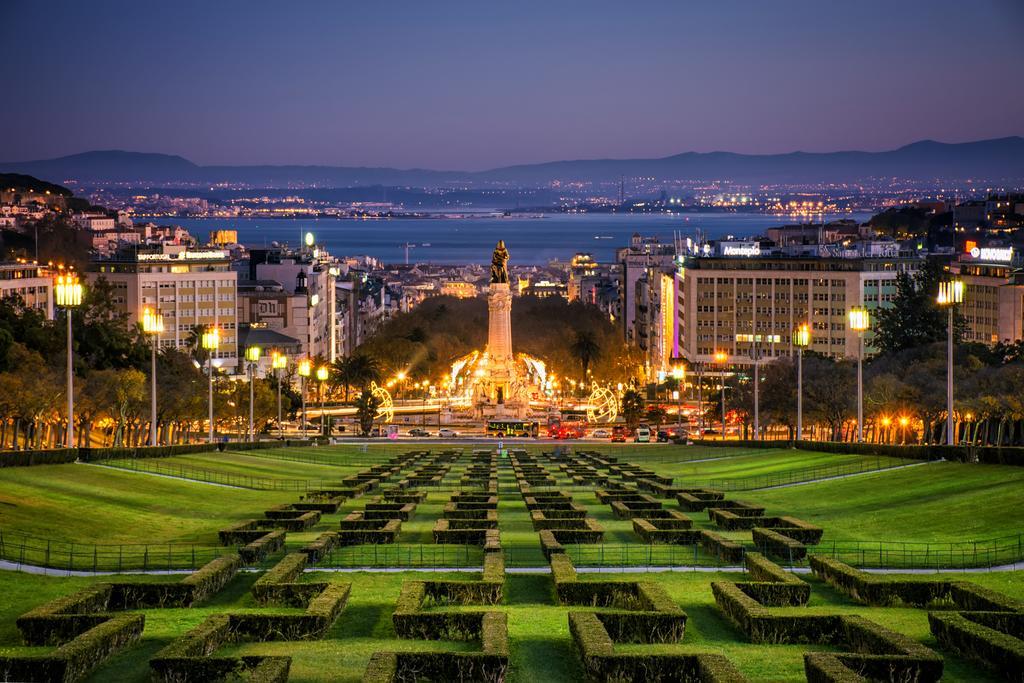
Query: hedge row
(386, 531)
(994, 639)
(451, 511)
(86, 633)
(51, 456)
(695, 500)
(893, 656)
(96, 454)
(772, 585)
(542, 521)
(258, 550)
(479, 535)
(74, 659)
(916, 592)
(597, 650)
(993, 455)
(627, 509)
(771, 542)
(410, 621)
(489, 665)
(190, 657)
(64, 618)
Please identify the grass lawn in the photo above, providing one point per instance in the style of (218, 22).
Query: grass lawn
(94, 504)
(934, 502)
(760, 464)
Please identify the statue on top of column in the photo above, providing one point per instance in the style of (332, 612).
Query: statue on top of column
(499, 263)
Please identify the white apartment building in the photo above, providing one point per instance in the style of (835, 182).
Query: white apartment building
(31, 282)
(190, 287)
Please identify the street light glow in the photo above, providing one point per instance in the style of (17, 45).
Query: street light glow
(253, 353)
(305, 366)
(721, 357)
(279, 361)
(860, 319)
(322, 373)
(152, 321)
(211, 339)
(802, 336)
(68, 290)
(951, 292)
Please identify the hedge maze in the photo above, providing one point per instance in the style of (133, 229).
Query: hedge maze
(449, 628)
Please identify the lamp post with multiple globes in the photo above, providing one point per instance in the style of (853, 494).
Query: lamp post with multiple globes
(210, 341)
(951, 293)
(252, 354)
(279, 361)
(68, 295)
(152, 325)
(721, 357)
(304, 369)
(322, 374)
(860, 320)
(801, 339)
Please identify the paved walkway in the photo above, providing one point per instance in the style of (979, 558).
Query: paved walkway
(165, 476)
(845, 476)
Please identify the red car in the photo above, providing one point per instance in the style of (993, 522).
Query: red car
(619, 433)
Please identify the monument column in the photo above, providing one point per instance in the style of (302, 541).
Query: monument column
(499, 327)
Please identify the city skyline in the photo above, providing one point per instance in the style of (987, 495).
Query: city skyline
(458, 87)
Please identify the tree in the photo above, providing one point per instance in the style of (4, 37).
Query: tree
(830, 391)
(585, 349)
(357, 370)
(632, 407)
(366, 410)
(915, 319)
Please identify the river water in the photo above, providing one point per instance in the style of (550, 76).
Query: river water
(530, 240)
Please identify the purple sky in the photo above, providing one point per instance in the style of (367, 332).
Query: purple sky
(473, 85)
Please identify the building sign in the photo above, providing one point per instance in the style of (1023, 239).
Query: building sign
(184, 256)
(745, 249)
(992, 254)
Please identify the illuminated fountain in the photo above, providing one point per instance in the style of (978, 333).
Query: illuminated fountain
(498, 383)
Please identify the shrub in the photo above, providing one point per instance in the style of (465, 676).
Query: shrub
(52, 456)
(773, 543)
(996, 640)
(258, 550)
(81, 653)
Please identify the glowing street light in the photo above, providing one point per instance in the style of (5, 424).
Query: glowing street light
(210, 341)
(721, 357)
(801, 339)
(252, 354)
(152, 325)
(322, 374)
(904, 421)
(951, 293)
(68, 293)
(305, 367)
(279, 362)
(860, 320)
(755, 341)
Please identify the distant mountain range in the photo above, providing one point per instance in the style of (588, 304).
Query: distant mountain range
(997, 159)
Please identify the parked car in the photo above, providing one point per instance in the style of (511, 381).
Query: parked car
(600, 434)
(619, 434)
(663, 436)
(446, 433)
(416, 431)
(642, 434)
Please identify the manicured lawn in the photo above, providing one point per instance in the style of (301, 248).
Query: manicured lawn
(93, 504)
(933, 502)
(761, 463)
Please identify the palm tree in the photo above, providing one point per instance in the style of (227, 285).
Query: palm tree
(357, 370)
(585, 349)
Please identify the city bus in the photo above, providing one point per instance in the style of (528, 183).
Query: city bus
(503, 428)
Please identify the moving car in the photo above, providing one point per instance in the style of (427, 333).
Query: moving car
(600, 434)
(446, 433)
(619, 434)
(643, 434)
(416, 431)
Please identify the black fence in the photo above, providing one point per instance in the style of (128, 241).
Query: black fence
(30, 551)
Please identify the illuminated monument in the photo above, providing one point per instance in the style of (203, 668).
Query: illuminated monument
(496, 382)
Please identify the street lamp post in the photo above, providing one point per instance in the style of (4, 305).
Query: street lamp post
(322, 374)
(305, 367)
(951, 293)
(801, 338)
(152, 325)
(860, 320)
(210, 341)
(252, 354)
(279, 361)
(721, 357)
(68, 293)
(755, 356)
(679, 375)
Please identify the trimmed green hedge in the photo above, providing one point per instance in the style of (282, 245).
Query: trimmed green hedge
(876, 653)
(994, 639)
(597, 650)
(258, 550)
(896, 590)
(386, 531)
(52, 456)
(772, 585)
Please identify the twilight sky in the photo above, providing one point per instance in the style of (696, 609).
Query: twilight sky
(473, 85)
